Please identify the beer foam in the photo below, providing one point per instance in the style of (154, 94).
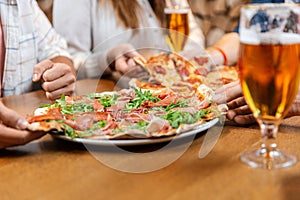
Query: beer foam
(249, 36)
(252, 37)
(176, 11)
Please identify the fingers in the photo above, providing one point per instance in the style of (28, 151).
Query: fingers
(11, 118)
(240, 119)
(121, 57)
(40, 68)
(12, 137)
(228, 92)
(124, 64)
(132, 54)
(239, 112)
(119, 51)
(58, 80)
(57, 71)
(10, 133)
(236, 103)
(56, 94)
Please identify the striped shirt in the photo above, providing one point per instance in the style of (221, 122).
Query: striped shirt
(29, 39)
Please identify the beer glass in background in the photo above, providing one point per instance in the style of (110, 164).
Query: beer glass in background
(269, 67)
(177, 25)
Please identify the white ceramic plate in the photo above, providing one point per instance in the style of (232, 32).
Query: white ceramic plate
(132, 142)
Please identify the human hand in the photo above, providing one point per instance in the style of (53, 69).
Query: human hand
(295, 108)
(121, 57)
(58, 78)
(12, 129)
(239, 112)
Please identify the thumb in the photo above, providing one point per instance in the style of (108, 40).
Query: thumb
(11, 118)
(133, 53)
(40, 68)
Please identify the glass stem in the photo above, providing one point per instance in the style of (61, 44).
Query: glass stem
(269, 133)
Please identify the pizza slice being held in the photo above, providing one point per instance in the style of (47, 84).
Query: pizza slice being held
(162, 69)
(172, 70)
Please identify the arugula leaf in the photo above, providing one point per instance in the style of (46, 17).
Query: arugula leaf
(77, 107)
(69, 131)
(108, 100)
(178, 104)
(202, 113)
(117, 130)
(177, 117)
(140, 98)
(58, 103)
(140, 125)
(97, 126)
(62, 100)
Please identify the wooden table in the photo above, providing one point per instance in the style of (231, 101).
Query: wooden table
(56, 169)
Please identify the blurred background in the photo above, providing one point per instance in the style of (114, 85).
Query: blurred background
(215, 17)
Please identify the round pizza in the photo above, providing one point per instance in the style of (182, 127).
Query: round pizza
(128, 113)
(175, 99)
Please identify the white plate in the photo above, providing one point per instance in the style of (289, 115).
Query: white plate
(132, 142)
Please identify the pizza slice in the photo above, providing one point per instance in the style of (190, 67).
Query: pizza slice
(220, 76)
(162, 69)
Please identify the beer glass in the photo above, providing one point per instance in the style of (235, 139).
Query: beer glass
(269, 64)
(177, 25)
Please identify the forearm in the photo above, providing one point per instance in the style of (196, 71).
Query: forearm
(229, 44)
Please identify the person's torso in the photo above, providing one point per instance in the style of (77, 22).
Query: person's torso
(109, 32)
(21, 46)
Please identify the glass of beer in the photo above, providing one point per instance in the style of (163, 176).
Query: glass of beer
(177, 25)
(269, 67)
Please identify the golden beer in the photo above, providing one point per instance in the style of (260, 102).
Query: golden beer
(269, 77)
(177, 23)
(269, 67)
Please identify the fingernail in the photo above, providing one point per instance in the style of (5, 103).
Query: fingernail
(48, 95)
(22, 124)
(35, 77)
(131, 63)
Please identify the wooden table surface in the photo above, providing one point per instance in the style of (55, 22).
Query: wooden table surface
(57, 169)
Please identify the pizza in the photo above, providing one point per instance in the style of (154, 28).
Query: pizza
(175, 99)
(127, 113)
(220, 76)
(215, 76)
(172, 70)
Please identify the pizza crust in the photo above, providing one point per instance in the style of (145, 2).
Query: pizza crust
(45, 126)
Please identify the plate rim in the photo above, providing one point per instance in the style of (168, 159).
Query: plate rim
(134, 142)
